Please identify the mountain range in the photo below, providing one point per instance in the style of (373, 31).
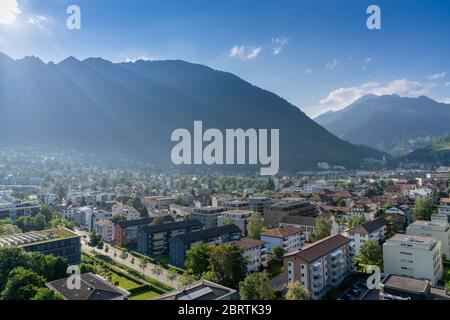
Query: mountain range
(129, 110)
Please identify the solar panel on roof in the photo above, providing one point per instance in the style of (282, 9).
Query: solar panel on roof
(196, 294)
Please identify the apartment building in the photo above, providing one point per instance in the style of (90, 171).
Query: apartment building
(362, 210)
(321, 266)
(444, 209)
(256, 253)
(179, 245)
(126, 231)
(238, 217)
(126, 211)
(260, 204)
(434, 229)
(374, 230)
(413, 256)
(207, 216)
(289, 238)
(157, 202)
(236, 205)
(106, 229)
(16, 209)
(154, 240)
(58, 242)
(288, 207)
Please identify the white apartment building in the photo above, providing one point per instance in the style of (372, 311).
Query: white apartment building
(374, 230)
(321, 266)
(106, 229)
(208, 216)
(433, 229)
(413, 256)
(289, 238)
(238, 217)
(126, 211)
(444, 209)
(255, 252)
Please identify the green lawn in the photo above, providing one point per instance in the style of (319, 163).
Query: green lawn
(124, 283)
(446, 277)
(146, 295)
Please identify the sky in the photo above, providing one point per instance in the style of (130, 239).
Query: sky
(319, 55)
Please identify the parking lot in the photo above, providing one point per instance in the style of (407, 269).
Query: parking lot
(355, 292)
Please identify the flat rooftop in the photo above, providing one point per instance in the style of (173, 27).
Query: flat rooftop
(412, 239)
(24, 239)
(405, 283)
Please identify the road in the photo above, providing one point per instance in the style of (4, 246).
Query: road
(148, 271)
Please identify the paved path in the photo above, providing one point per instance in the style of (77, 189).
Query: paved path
(148, 271)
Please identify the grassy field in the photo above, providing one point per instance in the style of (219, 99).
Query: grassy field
(146, 295)
(123, 282)
(446, 277)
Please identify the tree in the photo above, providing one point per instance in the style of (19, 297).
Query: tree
(157, 270)
(371, 253)
(49, 266)
(255, 226)
(124, 254)
(10, 258)
(257, 286)
(211, 276)
(390, 227)
(229, 264)
(297, 292)
(158, 220)
(172, 275)
(143, 262)
(22, 285)
(423, 209)
(46, 294)
(356, 221)
(95, 240)
(323, 229)
(197, 259)
(278, 253)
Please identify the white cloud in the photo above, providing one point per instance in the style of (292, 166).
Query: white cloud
(445, 100)
(278, 44)
(437, 76)
(140, 58)
(308, 71)
(343, 97)
(368, 60)
(245, 53)
(9, 9)
(332, 65)
(38, 20)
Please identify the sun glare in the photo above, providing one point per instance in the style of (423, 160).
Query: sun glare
(9, 9)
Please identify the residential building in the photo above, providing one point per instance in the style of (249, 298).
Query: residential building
(126, 231)
(374, 230)
(126, 211)
(444, 209)
(413, 256)
(395, 287)
(106, 229)
(179, 245)
(201, 290)
(307, 225)
(16, 209)
(288, 207)
(433, 229)
(289, 238)
(92, 288)
(207, 216)
(260, 204)
(157, 202)
(58, 242)
(255, 252)
(236, 205)
(237, 217)
(362, 210)
(321, 266)
(154, 240)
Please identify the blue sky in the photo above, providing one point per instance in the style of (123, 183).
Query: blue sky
(319, 55)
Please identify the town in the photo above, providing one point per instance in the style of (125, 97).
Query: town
(136, 232)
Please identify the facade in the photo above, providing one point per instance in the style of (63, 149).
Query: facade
(16, 209)
(126, 231)
(126, 211)
(58, 242)
(179, 245)
(321, 266)
(158, 202)
(362, 210)
(289, 238)
(92, 287)
(106, 229)
(307, 225)
(207, 216)
(260, 204)
(288, 207)
(236, 205)
(433, 229)
(255, 252)
(238, 217)
(444, 208)
(201, 290)
(413, 256)
(154, 240)
(374, 230)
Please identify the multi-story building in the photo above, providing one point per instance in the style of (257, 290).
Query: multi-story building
(154, 240)
(307, 225)
(16, 209)
(236, 205)
(374, 230)
(202, 290)
(289, 238)
(126, 211)
(395, 287)
(237, 217)
(362, 210)
(58, 242)
(288, 207)
(126, 231)
(321, 266)
(255, 252)
(413, 256)
(157, 202)
(444, 209)
(260, 204)
(433, 229)
(179, 245)
(106, 229)
(207, 216)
